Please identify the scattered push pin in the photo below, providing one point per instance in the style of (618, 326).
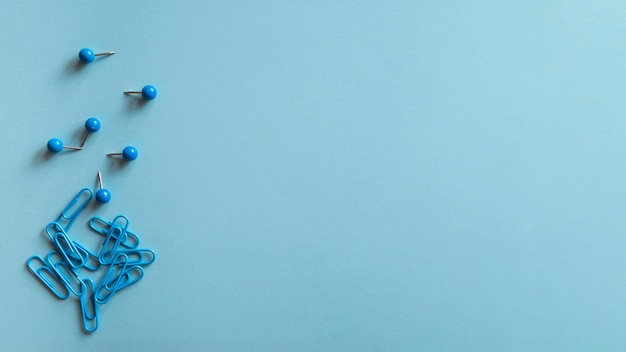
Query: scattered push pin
(55, 145)
(86, 55)
(103, 195)
(148, 92)
(128, 153)
(92, 125)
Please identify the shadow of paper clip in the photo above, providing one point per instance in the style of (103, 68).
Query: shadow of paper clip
(49, 279)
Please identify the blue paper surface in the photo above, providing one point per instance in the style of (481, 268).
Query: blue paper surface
(325, 175)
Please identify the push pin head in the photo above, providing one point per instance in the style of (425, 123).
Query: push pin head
(128, 153)
(92, 125)
(86, 55)
(55, 145)
(148, 92)
(102, 195)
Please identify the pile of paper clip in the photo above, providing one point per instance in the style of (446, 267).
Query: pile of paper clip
(64, 269)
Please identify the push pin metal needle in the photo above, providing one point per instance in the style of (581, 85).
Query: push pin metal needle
(103, 195)
(86, 55)
(128, 153)
(147, 92)
(55, 145)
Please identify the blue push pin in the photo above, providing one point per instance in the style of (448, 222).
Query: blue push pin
(92, 125)
(86, 55)
(128, 153)
(55, 145)
(103, 195)
(148, 92)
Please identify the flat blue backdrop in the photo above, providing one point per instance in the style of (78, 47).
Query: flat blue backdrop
(326, 175)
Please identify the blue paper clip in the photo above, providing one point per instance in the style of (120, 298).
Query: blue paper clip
(52, 229)
(65, 272)
(103, 227)
(47, 281)
(139, 256)
(66, 248)
(89, 256)
(129, 276)
(89, 308)
(125, 277)
(73, 209)
(116, 236)
(112, 275)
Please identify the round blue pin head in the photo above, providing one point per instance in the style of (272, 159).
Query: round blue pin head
(103, 196)
(86, 55)
(92, 125)
(149, 92)
(55, 145)
(130, 153)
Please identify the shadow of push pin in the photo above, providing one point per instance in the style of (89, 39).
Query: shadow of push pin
(92, 125)
(55, 145)
(147, 92)
(102, 195)
(128, 153)
(86, 55)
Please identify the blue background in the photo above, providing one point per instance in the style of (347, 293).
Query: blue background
(326, 175)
